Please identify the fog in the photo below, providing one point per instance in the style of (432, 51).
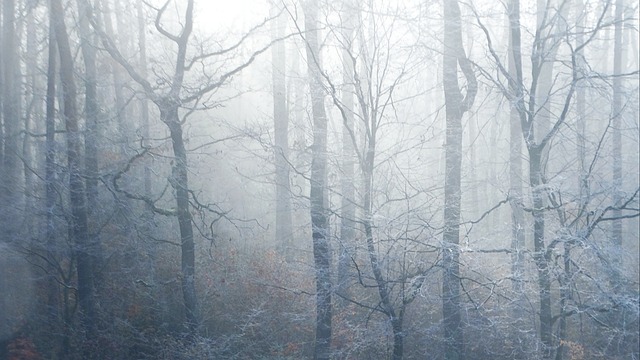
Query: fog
(448, 179)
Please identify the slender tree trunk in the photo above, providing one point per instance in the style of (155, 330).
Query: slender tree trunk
(144, 103)
(143, 108)
(180, 183)
(118, 79)
(616, 125)
(348, 209)
(91, 114)
(581, 120)
(50, 180)
(91, 106)
(284, 231)
(319, 218)
(298, 87)
(518, 225)
(386, 302)
(33, 109)
(12, 117)
(79, 227)
(2, 88)
(455, 106)
(122, 33)
(535, 181)
(541, 256)
(565, 289)
(545, 71)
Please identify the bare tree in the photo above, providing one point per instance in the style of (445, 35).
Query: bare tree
(174, 95)
(12, 118)
(456, 105)
(284, 231)
(616, 125)
(524, 100)
(318, 187)
(348, 203)
(518, 225)
(79, 219)
(366, 100)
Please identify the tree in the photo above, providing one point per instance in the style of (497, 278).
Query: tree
(91, 117)
(169, 104)
(617, 112)
(374, 68)
(105, 17)
(456, 105)
(11, 116)
(518, 225)
(284, 232)
(50, 173)
(79, 219)
(318, 188)
(348, 202)
(175, 94)
(524, 99)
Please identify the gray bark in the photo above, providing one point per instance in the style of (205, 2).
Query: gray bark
(518, 225)
(50, 178)
(33, 110)
(284, 230)
(616, 124)
(79, 222)
(2, 88)
(144, 103)
(348, 209)
(455, 105)
(118, 79)
(318, 188)
(91, 114)
(12, 118)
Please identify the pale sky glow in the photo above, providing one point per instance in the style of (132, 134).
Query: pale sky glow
(215, 16)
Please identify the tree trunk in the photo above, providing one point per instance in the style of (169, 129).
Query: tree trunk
(50, 179)
(616, 124)
(11, 116)
(516, 86)
(455, 106)
(180, 183)
(541, 256)
(118, 80)
(91, 112)
(518, 225)
(398, 336)
(348, 208)
(319, 218)
(34, 110)
(581, 133)
(386, 302)
(545, 70)
(2, 88)
(79, 226)
(284, 231)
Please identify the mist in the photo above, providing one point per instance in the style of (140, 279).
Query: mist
(449, 179)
